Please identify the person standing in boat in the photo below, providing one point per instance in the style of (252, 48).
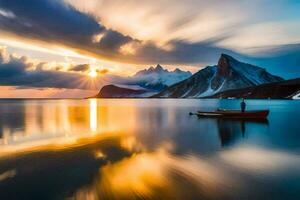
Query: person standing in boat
(243, 105)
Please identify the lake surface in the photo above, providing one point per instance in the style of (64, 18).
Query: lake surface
(146, 149)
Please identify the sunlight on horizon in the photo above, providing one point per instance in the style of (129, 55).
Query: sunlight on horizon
(93, 74)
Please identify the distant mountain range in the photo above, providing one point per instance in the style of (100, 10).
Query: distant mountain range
(230, 78)
(144, 83)
(228, 74)
(157, 78)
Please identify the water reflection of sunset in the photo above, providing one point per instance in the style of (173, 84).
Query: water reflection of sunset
(93, 115)
(133, 149)
(158, 175)
(44, 123)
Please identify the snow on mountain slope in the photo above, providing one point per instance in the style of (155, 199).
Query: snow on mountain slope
(228, 74)
(144, 83)
(191, 87)
(254, 74)
(159, 78)
(297, 96)
(289, 89)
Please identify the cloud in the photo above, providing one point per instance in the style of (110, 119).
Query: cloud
(3, 54)
(7, 14)
(17, 72)
(150, 32)
(103, 71)
(113, 40)
(22, 73)
(279, 59)
(156, 21)
(196, 20)
(55, 21)
(80, 68)
(10, 69)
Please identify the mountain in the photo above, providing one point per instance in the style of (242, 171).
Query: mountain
(144, 83)
(112, 91)
(159, 69)
(280, 90)
(228, 74)
(157, 78)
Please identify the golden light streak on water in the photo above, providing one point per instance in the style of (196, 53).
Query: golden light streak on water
(8, 174)
(93, 115)
(63, 123)
(128, 149)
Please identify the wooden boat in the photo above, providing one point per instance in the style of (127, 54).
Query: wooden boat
(251, 114)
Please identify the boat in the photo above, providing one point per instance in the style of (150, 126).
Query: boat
(251, 114)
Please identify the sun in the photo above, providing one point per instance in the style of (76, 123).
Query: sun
(93, 73)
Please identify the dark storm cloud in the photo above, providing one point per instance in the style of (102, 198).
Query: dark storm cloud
(184, 52)
(12, 68)
(50, 20)
(55, 21)
(112, 40)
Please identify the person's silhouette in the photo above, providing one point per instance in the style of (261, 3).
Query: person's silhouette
(243, 105)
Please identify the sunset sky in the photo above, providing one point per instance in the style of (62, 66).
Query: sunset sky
(55, 48)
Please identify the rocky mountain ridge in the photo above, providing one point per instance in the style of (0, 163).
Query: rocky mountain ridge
(228, 74)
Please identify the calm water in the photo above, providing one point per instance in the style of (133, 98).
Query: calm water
(146, 149)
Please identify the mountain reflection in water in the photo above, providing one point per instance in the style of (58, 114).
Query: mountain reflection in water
(145, 149)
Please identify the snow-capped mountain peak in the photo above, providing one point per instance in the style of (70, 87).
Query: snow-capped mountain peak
(177, 70)
(159, 69)
(228, 74)
(151, 70)
(159, 78)
(228, 68)
(153, 78)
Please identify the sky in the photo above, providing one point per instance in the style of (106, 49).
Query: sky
(52, 48)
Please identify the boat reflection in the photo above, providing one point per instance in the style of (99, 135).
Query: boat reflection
(231, 130)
